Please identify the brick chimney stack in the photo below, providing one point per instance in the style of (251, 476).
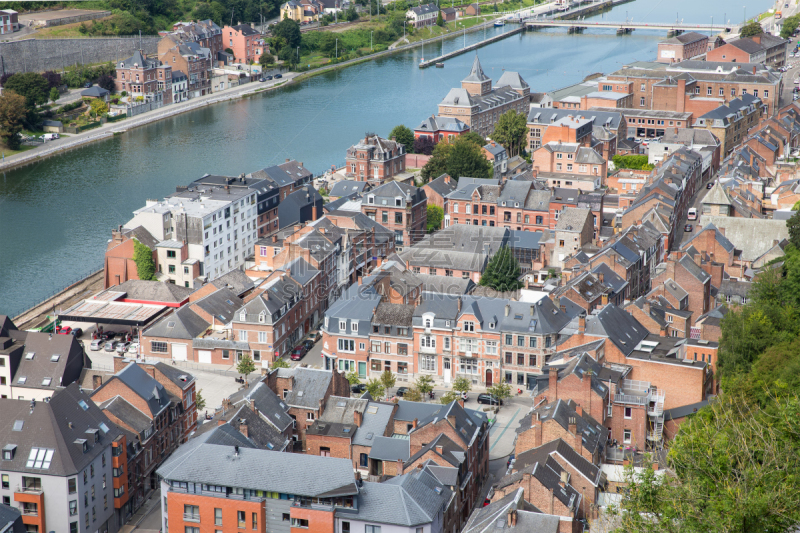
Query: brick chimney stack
(243, 428)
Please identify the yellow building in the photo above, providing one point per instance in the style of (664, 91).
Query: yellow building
(301, 12)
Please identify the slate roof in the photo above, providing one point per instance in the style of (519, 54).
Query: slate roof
(389, 449)
(476, 74)
(684, 410)
(181, 324)
(465, 426)
(548, 474)
(259, 431)
(95, 92)
(36, 371)
(493, 518)
(718, 236)
(424, 9)
(245, 29)
(309, 386)
(717, 195)
(374, 423)
(347, 187)
(559, 447)
(144, 385)
(236, 281)
(450, 451)
(446, 475)
(409, 500)
(620, 327)
(200, 461)
(685, 38)
(153, 291)
(55, 425)
(268, 404)
(129, 414)
(11, 520)
(440, 186)
(513, 80)
(573, 219)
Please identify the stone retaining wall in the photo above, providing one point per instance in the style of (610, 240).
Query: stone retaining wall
(39, 55)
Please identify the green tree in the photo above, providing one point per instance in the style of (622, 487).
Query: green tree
(424, 384)
(467, 160)
(200, 401)
(510, 131)
(634, 162)
(437, 164)
(751, 29)
(266, 60)
(54, 95)
(279, 362)
(246, 366)
(503, 272)
(474, 138)
(32, 86)
(448, 397)
(375, 388)
(143, 257)
(435, 217)
(12, 114)
(439, 19)
(387, 379)
(404, 136)
(229, 51)
(735, 470)
(352, 378)
(412, 395)
(793, 225)
(789, 25)
(289, 31)
(462, 384)
(501, 391)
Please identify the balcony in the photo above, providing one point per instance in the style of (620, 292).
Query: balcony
(31, 511)
(191, 517)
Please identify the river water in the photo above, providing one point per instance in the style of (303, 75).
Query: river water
(56, 216)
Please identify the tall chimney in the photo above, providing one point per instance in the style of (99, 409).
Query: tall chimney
(243, 428)
(552, 388)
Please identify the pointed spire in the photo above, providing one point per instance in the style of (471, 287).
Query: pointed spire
(476, 74)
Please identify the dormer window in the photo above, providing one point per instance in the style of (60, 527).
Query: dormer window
(342, 325)
(370, 199)
(354, 326)
(8, 452)
(262, 317)
(243, 316)
(398, 202)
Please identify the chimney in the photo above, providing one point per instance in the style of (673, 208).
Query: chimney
(414, 423)
(604, 299)
(446, 178)
(582, 323)
(287, 159)
(275, 238)
(663, 332)
(508, 309)
(552, 388)
(358, 418)
(243, 428)
(680, 97)
(301, 164)
(461, 402)
(440, 449)
(579, 409)
(220, 421)
(563, 308)
(754, 69)
(314, 211)
(512, 517)
(537, 434)
(600, 277)
(721, 230)
(572, 427)
(452, 419)
(552, 502)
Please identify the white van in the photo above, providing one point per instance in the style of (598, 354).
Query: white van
(692, 214)
(50, 137)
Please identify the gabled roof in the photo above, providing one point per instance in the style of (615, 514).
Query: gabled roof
(442, 185)
(593, 434)
(390, 449)
(561, 448)
(309, 386)
(620, 327)
(346, 187)
(548, 474)
(11, 520)
(143, 385)
(464, 425)
(153, 291)
(717, 195)
(269, 405)
(236, 281)
(377, 416)
(511, 79)
(493, 518)
(182, 324)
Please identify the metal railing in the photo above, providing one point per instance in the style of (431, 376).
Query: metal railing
(630, 399)
(190, 517)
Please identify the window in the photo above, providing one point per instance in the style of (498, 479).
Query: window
(626, 436)
(363, 460)
(532, 342)
(347, 345)
(490, 347)
(310, 417)
(428, 363)
(372, 529)
(73, 527)
(158, 347)
(469, 326)
(520, 341)
(242, 519)
(255, 520)
(708, 91)
(520, 359)
(188, 529)
(641, 101)
(345, 527)
(532, 360)
(73, 508)
(402, 349)
(628, 412)
(301, 522)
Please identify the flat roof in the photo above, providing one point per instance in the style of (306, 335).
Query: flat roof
(646, 113)
(111, 312)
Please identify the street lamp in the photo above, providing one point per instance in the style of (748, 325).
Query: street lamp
(337, 48)
(370, 41)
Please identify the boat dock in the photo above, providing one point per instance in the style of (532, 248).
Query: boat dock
(475, 46)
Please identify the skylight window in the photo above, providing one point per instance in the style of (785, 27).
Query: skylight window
(29, 355)
(104, 427)
(46, 382)
(40, 458)
(83, 404)
(22, 380)
(55, 357)
(18, 425)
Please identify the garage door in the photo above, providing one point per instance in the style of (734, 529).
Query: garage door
(204, 356)
(179, 352)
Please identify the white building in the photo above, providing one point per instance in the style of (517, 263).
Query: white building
(424, 15)
(218, 224)
(180, 87)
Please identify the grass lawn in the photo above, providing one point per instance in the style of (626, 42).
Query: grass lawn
(315, 60)
(451, 28)
(7, 152)
(63, 32)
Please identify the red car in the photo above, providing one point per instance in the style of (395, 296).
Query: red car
(298, 352)
(63, 330)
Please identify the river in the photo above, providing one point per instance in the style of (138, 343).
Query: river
(56, 215)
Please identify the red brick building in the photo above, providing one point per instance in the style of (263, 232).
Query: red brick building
(400, 208)
(683, 46)
(142, 76)
(375, 159)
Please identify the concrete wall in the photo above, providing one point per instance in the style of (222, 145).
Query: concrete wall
(38, 55)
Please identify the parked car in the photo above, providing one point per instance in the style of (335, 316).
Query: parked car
(77, 332)
(133, 347)
(50, 136)
(692, 215)
(87, 85)
(489, 399)
(510, 458)
(358, 388)
(486, 502)
(315, 336)
(308, 343)
(709, 184)
(687, 228)
(122, 347)
(97, 345)
(107, 335)
(278, 76)
(262, 80)
(298, 353)
(110, 346)
(267, 77)
(63, 330)
(401, 391)
(464, 396)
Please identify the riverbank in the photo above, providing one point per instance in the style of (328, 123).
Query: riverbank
(59, 146)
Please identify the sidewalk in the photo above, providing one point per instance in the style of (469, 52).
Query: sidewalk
(107, 130)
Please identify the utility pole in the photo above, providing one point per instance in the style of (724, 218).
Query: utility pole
(337, 48)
